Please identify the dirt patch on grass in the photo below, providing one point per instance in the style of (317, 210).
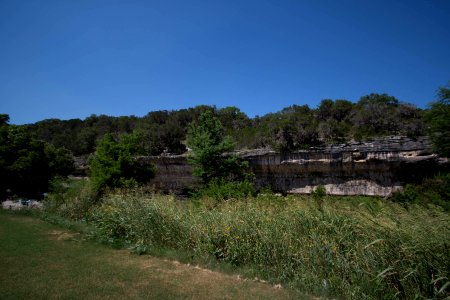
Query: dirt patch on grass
(19, 218)
(63, 235)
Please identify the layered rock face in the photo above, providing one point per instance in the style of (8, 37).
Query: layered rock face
(173, 173)
(379, 167)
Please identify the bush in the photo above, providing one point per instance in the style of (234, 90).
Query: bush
(219, 189)
(435, 191)
(408, 195)
(113, 164)
(72, 199)
(319, 192)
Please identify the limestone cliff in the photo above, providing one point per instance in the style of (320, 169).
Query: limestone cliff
(378, 167)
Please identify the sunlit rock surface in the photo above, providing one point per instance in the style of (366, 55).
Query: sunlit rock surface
(378, 167)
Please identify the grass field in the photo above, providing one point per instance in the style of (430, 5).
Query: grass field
(43, 261)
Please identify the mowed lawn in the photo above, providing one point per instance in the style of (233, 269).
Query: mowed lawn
(42, 261)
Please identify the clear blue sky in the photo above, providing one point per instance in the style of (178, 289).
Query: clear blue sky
(69, 59)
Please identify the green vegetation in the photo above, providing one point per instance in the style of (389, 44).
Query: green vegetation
(319, 192)
(379, 115)
(43, 261)
(211, 155)
(26, 164)
(346, 247)
(113, 164)
(72, 199)
(219, 190)
(432, 191)
(223, 173)
(352, 247)
(292, 128)
(438, 116)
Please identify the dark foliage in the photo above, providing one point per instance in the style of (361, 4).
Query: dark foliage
(294, 127)
(435, 191)
(438, 116)
(28, 164)
(80, 137)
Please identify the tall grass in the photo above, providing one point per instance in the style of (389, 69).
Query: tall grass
(71, 199)
(355, 247)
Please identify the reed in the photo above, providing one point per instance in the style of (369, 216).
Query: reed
(352, 247)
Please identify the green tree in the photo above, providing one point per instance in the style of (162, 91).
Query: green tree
(376, 115)
(211, 155)
(295, 128)
(166, 136)
(4, 119)
(438, 118)
(27, 164)
(334, 120)
(113, 164)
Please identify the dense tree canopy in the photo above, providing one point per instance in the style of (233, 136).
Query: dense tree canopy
(292, 128)
(28, 164)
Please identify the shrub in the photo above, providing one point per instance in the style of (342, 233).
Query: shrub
(72, 199)
(435, 191)
(219, 189)
(319, 192)
(113, 164)
(408, 195)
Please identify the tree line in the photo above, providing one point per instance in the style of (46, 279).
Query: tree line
(31, 155)
(294, 127)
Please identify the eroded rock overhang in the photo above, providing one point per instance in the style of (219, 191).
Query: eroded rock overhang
(377, 167)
